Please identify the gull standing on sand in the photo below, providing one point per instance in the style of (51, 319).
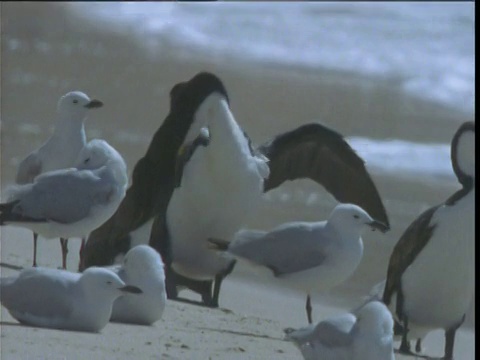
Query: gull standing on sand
(201, 178)
(431, 273)
(70, 202)
(366, 334)
(61, 150)
(310, 256)
(143, 267)
(60, 299)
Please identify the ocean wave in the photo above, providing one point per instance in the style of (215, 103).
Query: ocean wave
(404, 158)
(429, 47)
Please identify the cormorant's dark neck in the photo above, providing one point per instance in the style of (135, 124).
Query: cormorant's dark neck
(468, 184)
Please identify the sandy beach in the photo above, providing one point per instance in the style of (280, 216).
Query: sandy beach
(47, 51)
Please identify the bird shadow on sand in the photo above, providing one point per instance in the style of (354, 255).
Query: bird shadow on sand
(416, 356)
(11, 323)
(11, 266)
(241, 333)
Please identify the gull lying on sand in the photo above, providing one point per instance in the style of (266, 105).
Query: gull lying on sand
(70, 202)
(311, 256)
(61, 150)
(365, 335)
(142, 267)
(60, 299)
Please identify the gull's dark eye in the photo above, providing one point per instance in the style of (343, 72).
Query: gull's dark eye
(109, 282)
(86, 160)
(75, 101)
(356, 216)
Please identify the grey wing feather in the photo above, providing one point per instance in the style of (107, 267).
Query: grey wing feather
(28, 169)
(64, 196)
(287, 249)
(334, 333)
(36, 295)
(317, 152)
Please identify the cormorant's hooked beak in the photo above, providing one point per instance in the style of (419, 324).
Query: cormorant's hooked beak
(378, 225)
(131, 289)
(94, 104)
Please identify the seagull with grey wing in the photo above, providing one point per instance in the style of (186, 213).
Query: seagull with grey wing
(70, 202)
(60, 299)
(431, 274)
(61, 150)
(310, 256)
(198, 164)
(364, 334)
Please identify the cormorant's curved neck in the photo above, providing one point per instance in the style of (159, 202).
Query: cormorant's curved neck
(468, 185)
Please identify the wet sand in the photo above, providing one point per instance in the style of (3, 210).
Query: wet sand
(47, 51)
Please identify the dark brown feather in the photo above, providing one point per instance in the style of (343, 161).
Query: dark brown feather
(153, 179)
(406, 250)
(319, 153)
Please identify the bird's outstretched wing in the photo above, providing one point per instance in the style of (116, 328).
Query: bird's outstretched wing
(321, 154)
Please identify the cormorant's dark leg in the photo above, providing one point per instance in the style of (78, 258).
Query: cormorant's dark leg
(418, 345)
(81, 261)
(64, 244)
(405, 344)
(218, 282)
(202, 287)
(170, 283)
(173, 280)
(308, 308)
(450, 340)
(35, 236)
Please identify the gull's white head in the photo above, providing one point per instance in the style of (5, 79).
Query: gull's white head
(75, 104)
(98, 281)
(142, 260)
(463, 151)
(353, 217)
(375, 318)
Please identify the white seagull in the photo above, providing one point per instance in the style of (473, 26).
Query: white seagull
(365, 334)
(201, 178)
(310, 256)
(431, 274)
(70, 202)
(61, 150)
(61, 299)
(143, 267)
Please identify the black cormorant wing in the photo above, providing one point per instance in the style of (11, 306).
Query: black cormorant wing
(321, 154)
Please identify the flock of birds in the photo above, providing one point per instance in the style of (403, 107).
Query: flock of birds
(189, 199)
